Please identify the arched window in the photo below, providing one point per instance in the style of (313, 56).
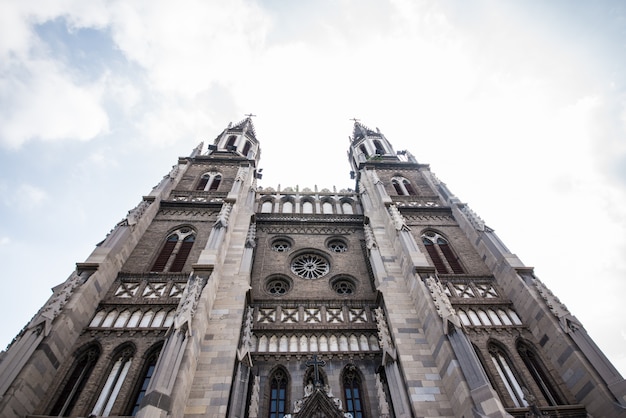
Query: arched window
(246, 148)
(435, 244)
(209, 181)
(75, 382)
(353, 392)
(380, 150)
(114, 381)
(266, 207)
(538, 372)
(327, 208)
(307, 207)
(397, 187)
(409, 188)
(144, 379)
(278, 394)
(179, 243)
(363, 150)
(287, 207)
(402, 186)
(507, 373)
(231, 141)
(347, 208)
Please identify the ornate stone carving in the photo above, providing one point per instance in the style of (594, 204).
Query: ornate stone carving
(251, 236)
(397, 218)
(370, 241)
(556, 307)
(383, 406)
(253, 410)
(473, 218)
(222, 218)
(56, 303)
(442, 303)
(134, 215)
(384, 337)
(189, 301)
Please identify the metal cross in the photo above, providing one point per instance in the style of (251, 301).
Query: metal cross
(316, 365)
(355, 120)
(249, 115)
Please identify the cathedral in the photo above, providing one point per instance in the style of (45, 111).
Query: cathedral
(215, 297)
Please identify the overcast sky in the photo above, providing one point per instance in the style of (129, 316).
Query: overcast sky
(518, 106)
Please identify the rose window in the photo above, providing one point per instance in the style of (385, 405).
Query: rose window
(310, 266)
(337, 246)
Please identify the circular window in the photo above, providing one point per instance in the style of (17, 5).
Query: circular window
(343, 286)
(278, 286)
(310, 266)
(281, 245)
(337, 246)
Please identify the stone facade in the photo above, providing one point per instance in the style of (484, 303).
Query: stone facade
(217, 298)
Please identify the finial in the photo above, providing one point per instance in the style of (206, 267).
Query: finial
(355, 120)
(249, 115)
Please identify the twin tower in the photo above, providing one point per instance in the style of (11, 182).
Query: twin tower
(218, 298)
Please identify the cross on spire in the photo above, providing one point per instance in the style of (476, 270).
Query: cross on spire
(355, 120)
(249, 115)
(316, 365)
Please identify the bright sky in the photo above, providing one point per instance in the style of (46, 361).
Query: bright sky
(519, 107)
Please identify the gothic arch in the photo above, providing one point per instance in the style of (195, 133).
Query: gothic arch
(507, 373)
(266, 205)
(209, 181)
(287, 205)
(437, 245)
(307, 206)
(538, 371)
(175, 250)
(76, 378)
(353, 390)
(328, 206)
(278, 392)
(149, 360)
(117, 370)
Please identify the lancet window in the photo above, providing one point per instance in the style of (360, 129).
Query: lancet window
(278, 394)
(353, 393)
(75, 382)
(144, 379)
(403, 187)
(246, 148)
(231, 141)
(508, 375)
(538, 372)
(113, 384)
(380, 150)
(175, 251)
(209, 181)
(435, 245)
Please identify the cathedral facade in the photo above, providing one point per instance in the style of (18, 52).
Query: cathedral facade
(217, 298)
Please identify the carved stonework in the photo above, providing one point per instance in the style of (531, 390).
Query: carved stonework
(251, 236)
(442, 303)
(474, 219)
(397, 218)
(253, 410)
(384, 337)
(383, 406)
(370, 241)
(556, 307)
(242, 174)
(287, 229)
(189, 301)
(134, 215)
(222, 218)
(56, 303)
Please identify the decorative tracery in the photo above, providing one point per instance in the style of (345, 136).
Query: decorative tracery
(310, 266)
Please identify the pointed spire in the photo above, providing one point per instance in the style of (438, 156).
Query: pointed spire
(245, 126)
(361, 131)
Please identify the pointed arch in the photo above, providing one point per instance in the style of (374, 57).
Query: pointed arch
(507, 373)
(143, 379)
(178, 242)
(76, 379)
(287, 206)
(435, 245)
(118, 370)
(246, 149)
(209, 181)
(538, 371)
(267, 206)
(378, 146)
(402, 186)
(307, 207)
(327, 207)
(231, 141)
(353, 391)
(279, 393)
